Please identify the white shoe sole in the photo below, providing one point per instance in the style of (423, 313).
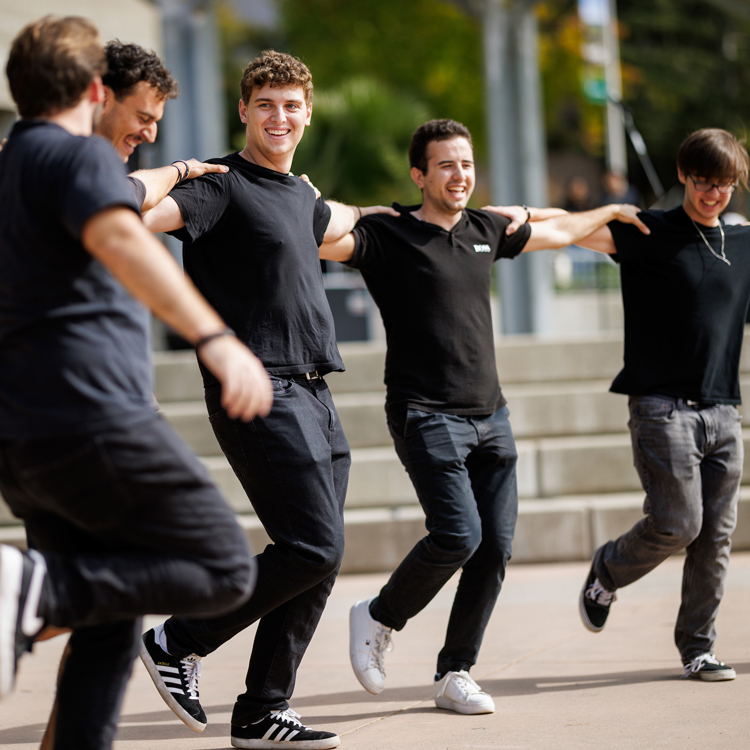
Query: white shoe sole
(726, 674)
(353, 638)
(459, 708)
(326, 744)
(11, 572)
(168, 698)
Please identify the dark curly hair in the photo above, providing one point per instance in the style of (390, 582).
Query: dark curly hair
(129, 64)
(278, 69)
(434, 130)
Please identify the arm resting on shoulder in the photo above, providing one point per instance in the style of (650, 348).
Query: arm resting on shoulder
(117, 238)
(520, 215)
(160, 181)
(591, 226)
(343, 218)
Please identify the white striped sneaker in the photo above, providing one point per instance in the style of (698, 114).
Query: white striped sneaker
(280, 729)
(175, 679)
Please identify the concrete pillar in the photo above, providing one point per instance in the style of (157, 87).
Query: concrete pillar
(518, 171)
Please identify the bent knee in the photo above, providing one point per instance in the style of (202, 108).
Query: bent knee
(678, 533)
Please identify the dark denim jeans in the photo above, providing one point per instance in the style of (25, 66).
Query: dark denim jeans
(129, 524)
(689, 460)
(294, 466)
(464, 472)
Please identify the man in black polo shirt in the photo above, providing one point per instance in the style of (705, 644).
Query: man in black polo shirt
(251, 241)
(124, 518)
(685, 292)
(429, 271)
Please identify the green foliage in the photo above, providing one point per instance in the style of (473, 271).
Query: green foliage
(690, 74)
(355, 150)
(428, 49)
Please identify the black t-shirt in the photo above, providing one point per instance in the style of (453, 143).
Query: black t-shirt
(251, 241)
(138, 188)
(433, 290)
(685, 309)
(74, 354)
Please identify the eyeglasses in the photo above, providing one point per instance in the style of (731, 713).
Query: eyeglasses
(705, 187)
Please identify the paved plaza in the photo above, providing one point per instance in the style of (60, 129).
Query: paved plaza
(556, 686)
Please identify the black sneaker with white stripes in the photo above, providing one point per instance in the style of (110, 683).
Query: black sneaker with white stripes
(175, 679)
(22, 577)
(280, 729)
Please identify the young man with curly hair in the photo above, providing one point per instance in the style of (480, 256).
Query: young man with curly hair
(251, 241)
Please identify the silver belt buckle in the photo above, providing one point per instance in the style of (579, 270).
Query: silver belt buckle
(314, 375)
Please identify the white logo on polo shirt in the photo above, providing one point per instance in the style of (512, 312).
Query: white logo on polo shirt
(481, 248)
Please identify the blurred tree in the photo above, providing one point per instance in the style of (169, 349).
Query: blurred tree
(356, 148)
(690, 74)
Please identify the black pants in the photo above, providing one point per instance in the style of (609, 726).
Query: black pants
(294, 466)
(464, 472)
(129, 524)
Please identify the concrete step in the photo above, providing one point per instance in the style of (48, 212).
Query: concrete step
(547, 467)
(520, 359)
(549, 530)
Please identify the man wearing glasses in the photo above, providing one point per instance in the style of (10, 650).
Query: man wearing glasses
(685, 290)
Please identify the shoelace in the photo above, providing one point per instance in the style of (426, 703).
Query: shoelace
(192, 667)
(291, 716)
(698, 662)
(463, 681)
(597, 593)
(383, 644)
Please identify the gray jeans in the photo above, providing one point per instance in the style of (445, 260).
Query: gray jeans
(689, 459)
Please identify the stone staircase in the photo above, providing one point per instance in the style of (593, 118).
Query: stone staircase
(576, 481)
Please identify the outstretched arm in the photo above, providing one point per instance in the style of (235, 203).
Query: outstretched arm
(160, 181)
(520, 215)
(343, 218)
(341, 250)
(117, 238)
(588, 228)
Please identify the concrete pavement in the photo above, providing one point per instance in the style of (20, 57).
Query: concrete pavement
(556, 686)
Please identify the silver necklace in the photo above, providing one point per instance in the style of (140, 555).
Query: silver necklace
(708, 245)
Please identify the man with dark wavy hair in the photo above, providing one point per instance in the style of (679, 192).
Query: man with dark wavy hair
(137, 86)
(251, 241)
(124, 518)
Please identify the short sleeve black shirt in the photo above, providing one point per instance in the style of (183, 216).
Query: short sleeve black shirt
(74, 354)
(433, 290)
(251, 241)
(685, 309)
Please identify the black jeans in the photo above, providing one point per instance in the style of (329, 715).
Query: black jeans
(129, 524)
(464, 472)
(294, 466)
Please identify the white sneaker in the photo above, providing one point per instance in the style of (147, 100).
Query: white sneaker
(458, 692)
(368, 643)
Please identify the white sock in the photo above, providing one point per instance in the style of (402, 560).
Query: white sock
(161, 637)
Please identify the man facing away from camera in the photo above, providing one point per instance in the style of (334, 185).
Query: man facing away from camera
(123, 516)
(429, 270)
